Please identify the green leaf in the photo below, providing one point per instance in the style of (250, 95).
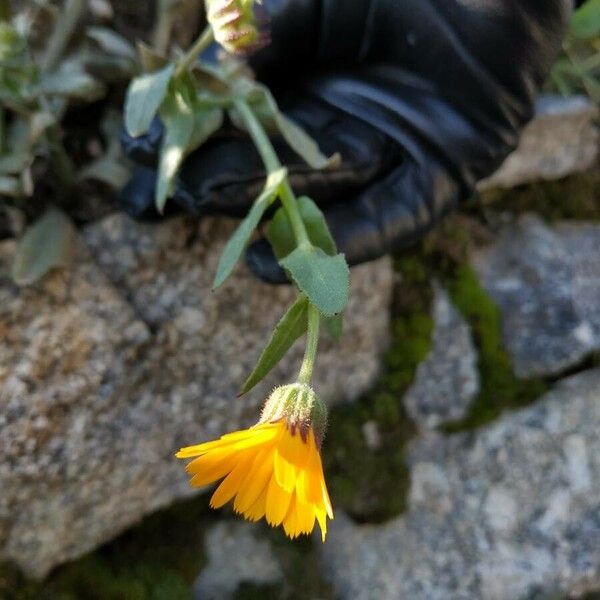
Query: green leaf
(238, 242)
(47, 244)
(334, 326)
(206, 122)
(144, 97)
(281, 235)
(301, 143)
(71, 82)
(324, 279)
(292, 326)
(10, 186)
(316, 226)
(585, 23)
(178, 119)
(112, 42)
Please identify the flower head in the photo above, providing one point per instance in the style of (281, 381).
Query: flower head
(240, 26)
(271, 470)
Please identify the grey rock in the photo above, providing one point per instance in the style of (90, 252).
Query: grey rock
(546, 282)
(106, 370)
(447, 381)
(508, 512)
(236, 555)
(562, 139)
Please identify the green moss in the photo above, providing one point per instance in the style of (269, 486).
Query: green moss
(371, 484)
(500, 389)
(573, 198)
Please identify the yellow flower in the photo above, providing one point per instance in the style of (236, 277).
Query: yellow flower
(269, 471)
(273, 469)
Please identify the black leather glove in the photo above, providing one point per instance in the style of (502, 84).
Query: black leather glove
(422, 98)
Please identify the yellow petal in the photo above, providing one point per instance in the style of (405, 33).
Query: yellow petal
(231, 484)
(291, 455)
(278, 502)
(240, 439)
(257, 510)
(322, 519)
(256, 480)
(290, 523)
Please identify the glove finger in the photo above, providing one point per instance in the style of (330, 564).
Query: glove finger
(394, 213)
(143, 150)
(137, 198)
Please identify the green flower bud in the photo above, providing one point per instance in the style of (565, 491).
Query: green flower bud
(238, 25)
(300, 407)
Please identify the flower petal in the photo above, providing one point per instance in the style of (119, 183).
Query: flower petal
(256, 480)
(278, 502)
(231, 484)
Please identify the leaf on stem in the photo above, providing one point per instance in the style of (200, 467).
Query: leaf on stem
(238, 242)
(144, 97)
(334, 326)
(266, 109)
(281, 236)
(45, 245)
(324, 279)
(291, 327)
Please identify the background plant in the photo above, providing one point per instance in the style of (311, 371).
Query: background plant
(48, 63)
(578, 68)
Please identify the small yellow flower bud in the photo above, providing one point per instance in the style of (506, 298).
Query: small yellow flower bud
(238, 25)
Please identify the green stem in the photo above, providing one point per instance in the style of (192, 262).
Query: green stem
(272, 164)
(189, 58)
(312, 343)
(62, 32)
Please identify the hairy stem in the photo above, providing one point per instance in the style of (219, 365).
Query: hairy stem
(272, 164)
(312, 343)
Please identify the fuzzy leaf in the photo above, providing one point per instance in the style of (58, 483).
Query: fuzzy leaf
(324, 279)
(206, 122)
(47, 244)
(303, 145)
(334, 326)
(281, 235)
(292, 326)
(238, 242)
(144, 97)
(70, 82)
(272, 118)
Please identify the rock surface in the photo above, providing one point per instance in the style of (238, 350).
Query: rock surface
(546, 281)
(562, 139)
(509, 512)
(236, 555)
(108, 368)
(447, 380)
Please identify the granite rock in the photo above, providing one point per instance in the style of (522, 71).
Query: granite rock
(447, 381)
(236, 555)
(546, 282)
(108, 368)
(508, 512)
(562, 139)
